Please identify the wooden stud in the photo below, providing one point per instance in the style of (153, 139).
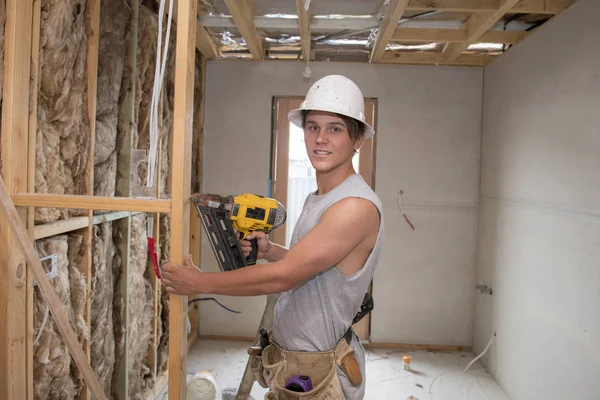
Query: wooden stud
(31, 160)
(59, 316)
(180, 173)
(475, 27)
(242, 13)
(304, 28)
(42, 231)
(13, 271)
(205, 43)
(91, 202)
(92, 91)
(127, 119)
(195, 222)
(393, 13)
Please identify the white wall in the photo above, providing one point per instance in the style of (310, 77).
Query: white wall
(540, 216)
(428, 144)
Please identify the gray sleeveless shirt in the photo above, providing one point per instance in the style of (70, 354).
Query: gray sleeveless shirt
(315, 315)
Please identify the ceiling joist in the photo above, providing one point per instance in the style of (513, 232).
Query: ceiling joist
(549, 7)
(427, 35)
(431, 58)
(476, 26)
(393, 13)
(243, 15)
(304, 27)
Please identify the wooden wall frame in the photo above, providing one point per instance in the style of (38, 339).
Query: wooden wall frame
(19, 118)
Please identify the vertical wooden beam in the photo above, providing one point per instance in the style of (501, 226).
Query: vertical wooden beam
(304, 28)
(393, 13)
(13, 270)
(31, 158)
(180, 171)
(88, 233)
(128, 123)
(195, 223)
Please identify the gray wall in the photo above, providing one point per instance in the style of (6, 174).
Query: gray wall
(540, 214)
(428, 144)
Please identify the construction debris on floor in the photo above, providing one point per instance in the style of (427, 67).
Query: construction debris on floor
(431, 376)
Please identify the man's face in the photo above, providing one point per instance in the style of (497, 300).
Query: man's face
(328, 143)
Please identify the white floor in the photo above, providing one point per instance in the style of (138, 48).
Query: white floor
(433, 376)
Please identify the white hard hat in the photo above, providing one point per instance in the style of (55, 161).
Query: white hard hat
(336, 94)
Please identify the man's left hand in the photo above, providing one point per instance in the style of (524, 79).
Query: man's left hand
(181, 279)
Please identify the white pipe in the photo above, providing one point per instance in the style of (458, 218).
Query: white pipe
(482, 353)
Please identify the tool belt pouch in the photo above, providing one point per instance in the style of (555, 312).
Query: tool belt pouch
(256, 366)
(279, 366)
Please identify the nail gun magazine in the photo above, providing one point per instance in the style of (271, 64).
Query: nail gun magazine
(228, 219)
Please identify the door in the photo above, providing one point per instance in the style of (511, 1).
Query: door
(293, 177)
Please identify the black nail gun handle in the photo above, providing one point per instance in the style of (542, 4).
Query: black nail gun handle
(251, 259)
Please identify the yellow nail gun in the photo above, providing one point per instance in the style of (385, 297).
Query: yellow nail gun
(228, 218)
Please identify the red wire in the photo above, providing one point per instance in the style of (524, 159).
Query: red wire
(408, 220)
(154, 257)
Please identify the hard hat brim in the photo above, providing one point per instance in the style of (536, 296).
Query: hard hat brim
(295, 117)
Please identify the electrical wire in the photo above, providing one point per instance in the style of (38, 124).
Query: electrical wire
(402, 209)
(43, 325)
(217, 301)
(482, 353)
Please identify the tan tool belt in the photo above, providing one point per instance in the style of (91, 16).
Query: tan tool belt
(274, 366)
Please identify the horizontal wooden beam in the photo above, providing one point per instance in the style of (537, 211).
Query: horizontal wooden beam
(431, 58)
(426, 35)
(433, 348)
(58, 227)
(549, 7)
(42, 231)
(91, 202)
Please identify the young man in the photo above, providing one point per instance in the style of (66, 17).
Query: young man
(334, 249)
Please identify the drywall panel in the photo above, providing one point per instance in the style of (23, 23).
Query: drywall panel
(539, 244)
(428, 278)
(428, 144)
(542, 266)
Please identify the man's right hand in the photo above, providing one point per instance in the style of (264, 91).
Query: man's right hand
(262, 243)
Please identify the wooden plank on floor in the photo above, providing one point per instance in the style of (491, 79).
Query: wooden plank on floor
(13, 270)
(180, 173)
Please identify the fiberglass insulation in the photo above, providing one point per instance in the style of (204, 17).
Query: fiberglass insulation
(63, 124)
(107, 308)
(115, 17)
(55, 375)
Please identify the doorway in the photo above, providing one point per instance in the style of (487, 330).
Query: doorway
(293, 177)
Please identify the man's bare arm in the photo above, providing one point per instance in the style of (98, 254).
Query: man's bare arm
(341, 228)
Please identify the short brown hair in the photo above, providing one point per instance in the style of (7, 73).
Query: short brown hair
(356, 129)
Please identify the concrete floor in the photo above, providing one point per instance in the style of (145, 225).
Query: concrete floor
(434, 376)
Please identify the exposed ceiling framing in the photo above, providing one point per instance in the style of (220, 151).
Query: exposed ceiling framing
(435, 32)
